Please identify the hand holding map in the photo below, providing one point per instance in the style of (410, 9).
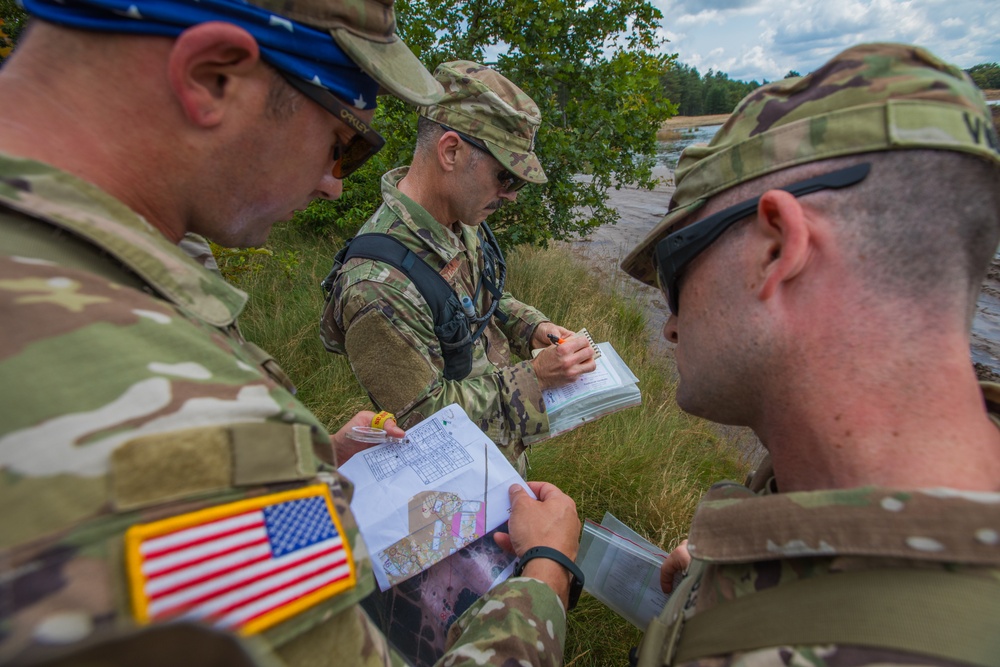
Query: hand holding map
(419, 502)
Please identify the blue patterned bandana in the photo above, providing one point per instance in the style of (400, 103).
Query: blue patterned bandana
(293, 48)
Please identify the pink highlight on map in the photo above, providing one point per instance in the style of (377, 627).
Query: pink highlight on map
(470, 521)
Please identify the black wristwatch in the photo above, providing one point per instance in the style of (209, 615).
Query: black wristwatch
(575, 586)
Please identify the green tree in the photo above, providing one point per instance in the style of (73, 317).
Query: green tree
(792, 74)
(986, 75)
(592, 69)
(683, 86)
(694, 96)
(12, 21)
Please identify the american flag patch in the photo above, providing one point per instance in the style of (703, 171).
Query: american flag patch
(243, 566)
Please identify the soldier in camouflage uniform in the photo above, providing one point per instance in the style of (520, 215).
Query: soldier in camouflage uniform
(474, 150)
(151, 458)
(822, 257)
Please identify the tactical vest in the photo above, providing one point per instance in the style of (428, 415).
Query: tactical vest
(452, 325)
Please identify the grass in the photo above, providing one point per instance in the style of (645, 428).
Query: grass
(647, 465)
(282, 316)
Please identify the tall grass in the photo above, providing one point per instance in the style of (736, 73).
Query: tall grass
(282, 316)
(647, 465)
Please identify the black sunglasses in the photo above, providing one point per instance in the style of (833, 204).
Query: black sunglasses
(508, 181)
(365, 142)
(676, 251)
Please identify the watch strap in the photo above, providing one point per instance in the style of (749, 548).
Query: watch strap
(576, 584)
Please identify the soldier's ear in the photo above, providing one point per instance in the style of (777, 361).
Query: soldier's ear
(448, 149)
(783, 236)
(207, 66)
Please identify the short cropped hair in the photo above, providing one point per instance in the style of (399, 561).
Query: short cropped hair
(282, 100)
(428, 133)
(924, 224)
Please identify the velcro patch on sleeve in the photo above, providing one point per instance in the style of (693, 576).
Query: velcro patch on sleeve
(387, 365)
(243, 566)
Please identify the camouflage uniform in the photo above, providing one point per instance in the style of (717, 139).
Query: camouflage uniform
(378, 318)
(747, 543)
(129, 396)
(778, 559)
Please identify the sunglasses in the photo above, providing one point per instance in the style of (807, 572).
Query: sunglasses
(365, 142)
(508, 181)
(674, 253)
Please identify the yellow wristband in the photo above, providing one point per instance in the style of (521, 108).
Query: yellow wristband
(379, 420)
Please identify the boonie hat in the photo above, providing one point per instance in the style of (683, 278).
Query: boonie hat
(478, 101)
(872, 97)
(366, 30)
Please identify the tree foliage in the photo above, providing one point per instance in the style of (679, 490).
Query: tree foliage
(12, 21)
(986, 75)
(695, 96)
(592, 69)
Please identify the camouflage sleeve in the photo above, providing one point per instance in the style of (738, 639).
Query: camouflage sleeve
(521, 326)
(520, 622)
(396, 356)
(119, 409)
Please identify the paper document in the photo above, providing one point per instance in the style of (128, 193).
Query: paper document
(418, 502)
(611, 387)
(588, 384)
(622, 570)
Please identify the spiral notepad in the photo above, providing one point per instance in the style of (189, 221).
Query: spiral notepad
(590, 339)
(610, 387)
(581, 332)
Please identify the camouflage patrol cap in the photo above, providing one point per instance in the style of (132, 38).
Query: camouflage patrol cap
(872, 97)
(480, 102)
(366, 30)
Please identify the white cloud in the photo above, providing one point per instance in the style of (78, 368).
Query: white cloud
(700, 19)
(764, 39)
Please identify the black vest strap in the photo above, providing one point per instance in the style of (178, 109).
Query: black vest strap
(390, 250)
(451, 326)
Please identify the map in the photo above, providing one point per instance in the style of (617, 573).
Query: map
(421, 501)
(416, 614)
(441, 524)
(436, 454)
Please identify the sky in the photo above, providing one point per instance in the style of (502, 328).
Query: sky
(764, 39)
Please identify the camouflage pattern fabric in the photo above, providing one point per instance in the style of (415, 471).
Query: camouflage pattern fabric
(130, 396)
(197, 248)
(744, 542)
(366, 31)
(872, 97)
(389, 336)
(480, 102)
